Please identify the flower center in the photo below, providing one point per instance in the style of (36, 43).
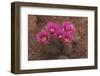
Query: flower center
(66, 40)
(52, 29)
(44, 38)
(59, 36)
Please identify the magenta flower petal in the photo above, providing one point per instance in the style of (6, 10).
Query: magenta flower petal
(67, 37)
(43, 37)
(52, 27)
(59, 33)
(69, 26)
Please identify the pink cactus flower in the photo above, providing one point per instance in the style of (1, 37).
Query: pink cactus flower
(69, 26)
(52, 27)
(67, 37)
(64, 33)
(43, 37)
(59, 33)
